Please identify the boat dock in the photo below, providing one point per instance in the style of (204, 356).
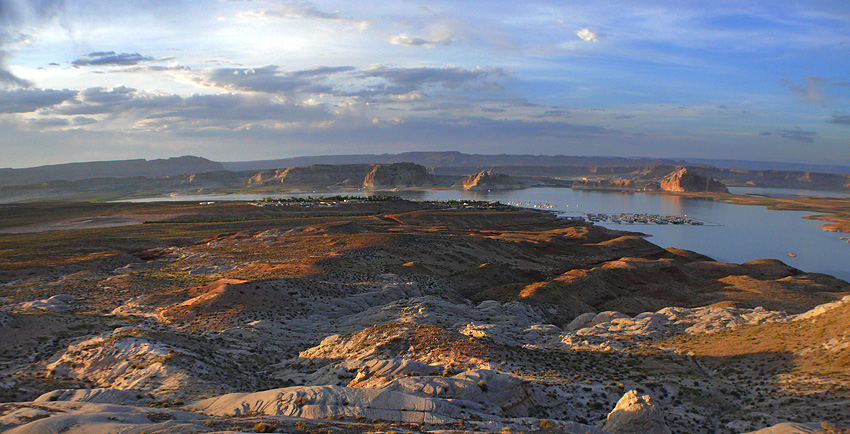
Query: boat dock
(643, 219)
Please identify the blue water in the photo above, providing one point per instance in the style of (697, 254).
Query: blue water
(734, 233)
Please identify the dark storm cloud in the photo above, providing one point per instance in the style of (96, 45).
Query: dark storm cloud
(110, 58)
(840, 120)
(798, 135)
(14, 15)
(30, 100)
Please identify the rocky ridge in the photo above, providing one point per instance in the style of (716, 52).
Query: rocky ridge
(397, 175)
(488, 180)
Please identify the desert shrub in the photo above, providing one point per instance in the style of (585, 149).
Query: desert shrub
(263, 427)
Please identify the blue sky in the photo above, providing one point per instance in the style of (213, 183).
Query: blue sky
(243, 80)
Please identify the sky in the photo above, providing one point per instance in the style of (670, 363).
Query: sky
(764, 80)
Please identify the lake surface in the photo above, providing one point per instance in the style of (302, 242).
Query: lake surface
(784, 192)
(733, 233)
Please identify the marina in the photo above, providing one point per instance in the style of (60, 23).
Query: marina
(645, 219)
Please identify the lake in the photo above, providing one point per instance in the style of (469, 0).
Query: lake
(733, 233)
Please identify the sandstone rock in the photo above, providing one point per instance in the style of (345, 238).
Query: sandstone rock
(791, 428)
(581, 321)
(97, 395)
(398, 175)
(57, 303)
(83, 418)
(823, 308)
(488, 180)
(635, 415)
(607, 316)
(320, 402)
(315, 174)
(684, 180)
(263, 177)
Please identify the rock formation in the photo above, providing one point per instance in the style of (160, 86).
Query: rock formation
(635, 415)
(323, 174)
(348, 175)
(398, 175)
(604, 184)
(686, 181)
(488, 180)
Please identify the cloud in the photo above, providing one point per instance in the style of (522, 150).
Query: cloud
(301, 10)
(307, 10)
(82, 120)
(30, 100)
(840, 120)
(229, 110)
(226, 111)
(321, 71)
(118, 100)
(553, 112)
(99, 95)
(766, 133)
(411, 41)
(798, 135)
(588, 35)
(269, 79)
(110, 58)
(404, 39)
(15, 15)
(448, 77)
(811, 90)
(48, 122)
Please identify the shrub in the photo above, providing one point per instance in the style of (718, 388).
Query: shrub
(263, 427)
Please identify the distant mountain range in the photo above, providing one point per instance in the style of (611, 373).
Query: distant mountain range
(109, 169)
(448, 163)
(454, 159)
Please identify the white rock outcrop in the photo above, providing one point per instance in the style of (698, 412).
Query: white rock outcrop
(57, 303)
(635, 414)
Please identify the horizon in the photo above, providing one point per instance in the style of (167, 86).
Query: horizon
(259, 80)
(718, 163)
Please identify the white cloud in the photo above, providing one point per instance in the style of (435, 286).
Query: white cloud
(588, 35)
(412, 41)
